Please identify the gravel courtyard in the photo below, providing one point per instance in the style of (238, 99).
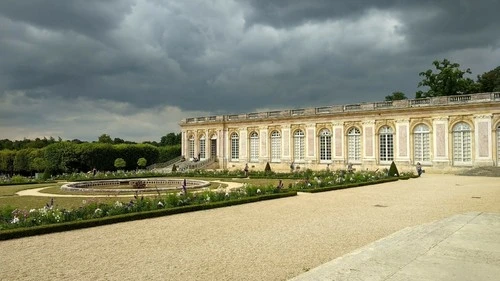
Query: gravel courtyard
(272, 240)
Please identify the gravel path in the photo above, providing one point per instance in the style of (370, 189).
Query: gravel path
(271, 240)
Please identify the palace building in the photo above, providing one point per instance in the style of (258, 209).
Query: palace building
(442, 133)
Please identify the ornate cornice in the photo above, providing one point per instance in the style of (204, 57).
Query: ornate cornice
(294, 127)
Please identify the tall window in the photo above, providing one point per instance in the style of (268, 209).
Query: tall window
(354, 145)
(325, 145)
(202, 147)
(386, 142)
(191, 147)
(254, 147)
(462, 150)
(235, 146)
(275, 146)
(298, 146)
(421, 144)
(498, 145)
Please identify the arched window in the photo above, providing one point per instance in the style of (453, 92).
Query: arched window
(298, 146)
(462, 146)
(202, 147)
(325, 145)
(235, 146)
(275, 146)
(421, 144)
(191, 147)
(254, 147)
(354, 145)
(386, 144)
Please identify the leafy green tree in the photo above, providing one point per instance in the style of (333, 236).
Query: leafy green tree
(22, 161)
(447, 81)
(141, 162)
(396, 96)
(170, 139)
(7, 161)
(489, 81)
(62, 157)
(120, 163)
(118, 141)
(104, 138)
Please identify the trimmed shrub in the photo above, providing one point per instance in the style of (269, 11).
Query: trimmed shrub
(267, 170)
(393, 170)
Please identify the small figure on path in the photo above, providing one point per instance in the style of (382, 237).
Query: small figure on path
(184, 188)
(349, 168)
(246, 170)
(94, 171)
(292, 167)
(419, 169)
(280, 185)
(328, 167)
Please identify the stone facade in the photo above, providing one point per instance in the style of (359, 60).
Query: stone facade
(442, 133)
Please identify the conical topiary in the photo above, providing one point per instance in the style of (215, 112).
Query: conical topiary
(393, 170)
(267, 169)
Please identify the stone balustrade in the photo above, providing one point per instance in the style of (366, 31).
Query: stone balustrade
(434, 101)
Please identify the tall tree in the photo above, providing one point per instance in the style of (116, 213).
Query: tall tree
(170, 139)
(396, 96)
(489, 81)
(448, 80)
(105, 138)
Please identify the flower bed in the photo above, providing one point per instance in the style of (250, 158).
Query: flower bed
(19, 223)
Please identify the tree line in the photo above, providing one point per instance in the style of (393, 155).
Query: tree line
(448, 79)
(69, 156)
(168, 139)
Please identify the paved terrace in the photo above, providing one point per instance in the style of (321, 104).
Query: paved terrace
(282, 239)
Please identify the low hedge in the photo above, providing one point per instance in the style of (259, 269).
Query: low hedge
(67, 226)
(345, 186)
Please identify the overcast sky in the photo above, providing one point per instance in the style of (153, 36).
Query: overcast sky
(134, 68)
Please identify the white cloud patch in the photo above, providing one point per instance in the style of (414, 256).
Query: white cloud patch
(26, 117)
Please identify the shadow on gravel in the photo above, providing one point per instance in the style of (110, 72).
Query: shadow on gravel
(482, 172)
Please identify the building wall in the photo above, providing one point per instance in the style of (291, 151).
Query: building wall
(443, 134)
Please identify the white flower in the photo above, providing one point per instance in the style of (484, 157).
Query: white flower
(118, 204)
(160, 204)
(98, 210)
(227, 194)
(258, 191)
(15, 220)
(32, 210)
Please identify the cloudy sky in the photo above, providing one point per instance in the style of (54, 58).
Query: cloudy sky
(134, 68)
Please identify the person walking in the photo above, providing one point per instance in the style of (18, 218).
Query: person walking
(246, 170)
(419, 169)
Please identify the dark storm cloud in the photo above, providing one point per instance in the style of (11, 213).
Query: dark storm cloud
(431, 26)
(91, 17)
(213, 57)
